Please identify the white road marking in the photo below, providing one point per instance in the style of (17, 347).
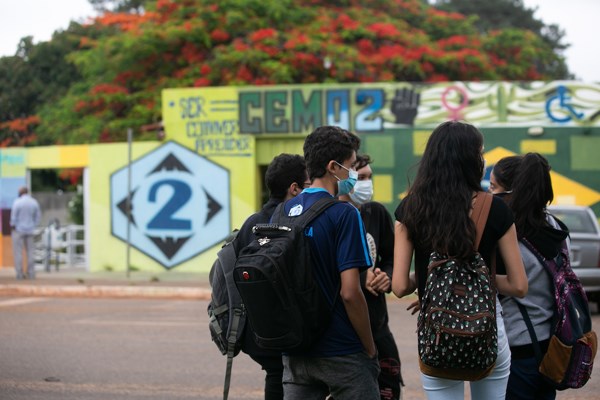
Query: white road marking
(134, 323)
(20, 301)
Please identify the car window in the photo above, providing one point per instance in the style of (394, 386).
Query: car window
(576, 220)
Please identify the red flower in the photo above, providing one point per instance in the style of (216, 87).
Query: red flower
(262, 80)
(244, 74)
(201, 82)
(296, 41)
(438, 78)
(21, 124)
(263, 34)
(219, 36)
(384, 30)
(345, 22)
(205, 69)
(239, 45)
(365, 46)
(107, 88)
(191, 54)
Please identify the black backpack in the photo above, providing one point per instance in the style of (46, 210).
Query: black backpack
(568, 362)
(274, 276)
(227, 315)
(456, 328)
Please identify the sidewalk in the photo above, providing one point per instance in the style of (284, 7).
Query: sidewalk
(77, 282)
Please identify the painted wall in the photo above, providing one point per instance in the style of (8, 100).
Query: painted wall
(189, 191)
(395, 119)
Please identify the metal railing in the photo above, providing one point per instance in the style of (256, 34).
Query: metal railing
(60, 245)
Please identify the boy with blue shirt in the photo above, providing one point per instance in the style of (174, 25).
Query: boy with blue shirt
(343, 362)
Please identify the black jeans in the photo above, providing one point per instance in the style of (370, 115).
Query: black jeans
(526, 383)
(273, 366)
(390, 377)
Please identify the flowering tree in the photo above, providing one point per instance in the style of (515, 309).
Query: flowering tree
(125, 59)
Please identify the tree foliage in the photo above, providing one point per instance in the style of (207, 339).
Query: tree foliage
(506, 14)
(116, 66)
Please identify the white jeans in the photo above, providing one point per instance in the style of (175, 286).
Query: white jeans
(492, 387)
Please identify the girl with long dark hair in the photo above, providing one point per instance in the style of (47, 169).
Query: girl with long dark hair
(435, 216)
(527, 185)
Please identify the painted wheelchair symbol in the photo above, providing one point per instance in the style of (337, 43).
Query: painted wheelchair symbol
(563, 105)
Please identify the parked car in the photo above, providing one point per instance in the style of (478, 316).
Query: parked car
(585, 245)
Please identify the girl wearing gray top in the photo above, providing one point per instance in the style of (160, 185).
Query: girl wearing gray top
(524, 183)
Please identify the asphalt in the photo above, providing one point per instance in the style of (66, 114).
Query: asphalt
(77, 282)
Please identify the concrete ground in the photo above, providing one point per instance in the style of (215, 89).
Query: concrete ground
(77, 282)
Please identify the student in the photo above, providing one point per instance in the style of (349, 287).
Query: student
(285, 178)
(343, 362)
(527, 181)
(377, 281)
(503, 174)
(435, 216)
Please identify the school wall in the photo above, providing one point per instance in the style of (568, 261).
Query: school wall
(190, 190)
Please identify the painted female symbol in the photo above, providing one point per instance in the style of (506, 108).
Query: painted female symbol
(454, 112)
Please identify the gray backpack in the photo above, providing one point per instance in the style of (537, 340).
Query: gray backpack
(226, 310)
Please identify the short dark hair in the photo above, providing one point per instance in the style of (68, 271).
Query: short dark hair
(284, 170)
(362, 160)
(328, 143)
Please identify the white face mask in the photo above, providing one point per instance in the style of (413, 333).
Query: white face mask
(363, 192)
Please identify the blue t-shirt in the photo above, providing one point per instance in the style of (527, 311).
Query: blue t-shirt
(338, 243)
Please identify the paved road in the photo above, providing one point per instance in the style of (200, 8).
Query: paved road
(78, 349)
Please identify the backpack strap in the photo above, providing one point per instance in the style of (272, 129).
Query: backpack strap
(481, 210)
(306, 217)
(558, 260)
(534, 340)
(235, 325)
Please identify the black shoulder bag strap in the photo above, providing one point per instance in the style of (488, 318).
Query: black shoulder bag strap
(537, 350)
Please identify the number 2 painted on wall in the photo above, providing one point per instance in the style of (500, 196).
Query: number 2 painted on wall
(364, 121)
(164, 218)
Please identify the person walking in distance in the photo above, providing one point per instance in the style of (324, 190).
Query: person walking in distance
(25, 216)
(377, 281)
(343, 362)
(285, 178)
(435, 218)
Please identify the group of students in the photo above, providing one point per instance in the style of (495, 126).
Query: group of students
(360, 255)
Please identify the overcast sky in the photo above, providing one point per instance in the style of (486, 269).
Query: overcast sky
(40, 18)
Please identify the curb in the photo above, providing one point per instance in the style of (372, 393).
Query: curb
(149, 292)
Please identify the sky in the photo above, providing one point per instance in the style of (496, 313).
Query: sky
(40, 18)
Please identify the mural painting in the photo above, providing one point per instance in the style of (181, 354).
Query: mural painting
(189, 192)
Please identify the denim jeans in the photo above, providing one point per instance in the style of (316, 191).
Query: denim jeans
(526, 383)
(348, 377)
(21, 240)
(492, 387)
